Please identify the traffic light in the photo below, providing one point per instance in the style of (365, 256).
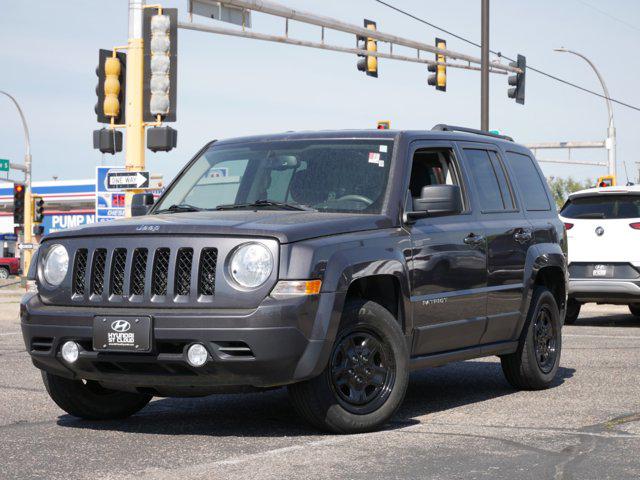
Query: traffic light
(607, 181)
(38, 209)
(384, 125)
(439, 77)
(366, 63)
(516, 81)
(18, 203)
(160, 34)
(111, 72)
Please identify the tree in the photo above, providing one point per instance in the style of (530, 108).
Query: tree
(562, 187)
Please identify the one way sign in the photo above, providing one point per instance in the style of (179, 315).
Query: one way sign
(126, 180)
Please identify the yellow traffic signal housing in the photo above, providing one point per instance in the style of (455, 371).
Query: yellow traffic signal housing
(439, 77)
(368, 64)
(112, 70)
(607, 181)
(110, 90)
(384, 125)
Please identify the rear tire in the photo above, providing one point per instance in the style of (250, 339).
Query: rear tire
(366, 377)
(634, 308)
(535, 364)
(90, 400)
(573, 311)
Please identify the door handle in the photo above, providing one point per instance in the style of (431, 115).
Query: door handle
(473, 239)
(523, 236)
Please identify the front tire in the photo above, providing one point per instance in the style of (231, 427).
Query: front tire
(4, 273)
(366, 377)
(91, 401)
(634, 308)
(573, 311)
(535, 363)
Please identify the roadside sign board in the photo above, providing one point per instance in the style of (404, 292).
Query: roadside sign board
(4, 165)
(123, 180)
(223, 13)
(109, 201)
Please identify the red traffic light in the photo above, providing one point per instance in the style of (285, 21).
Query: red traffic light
(602, 184)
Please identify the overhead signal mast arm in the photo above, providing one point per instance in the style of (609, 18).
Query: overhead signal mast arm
(464, 61)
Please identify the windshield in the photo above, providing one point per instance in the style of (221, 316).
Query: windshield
(324, 175)
(607, 207)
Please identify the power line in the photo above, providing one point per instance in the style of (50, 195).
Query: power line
(500, 55)
(607, 14)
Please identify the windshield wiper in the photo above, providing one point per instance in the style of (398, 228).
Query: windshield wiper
(182, 207)
(265, 203)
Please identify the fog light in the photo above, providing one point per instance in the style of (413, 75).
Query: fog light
(197, 355)
(70, 351)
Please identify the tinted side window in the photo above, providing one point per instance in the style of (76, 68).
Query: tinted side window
(505, 191)
(485, 180)
(529, 181)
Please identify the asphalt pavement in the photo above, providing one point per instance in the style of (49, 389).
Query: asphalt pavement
(460, 421)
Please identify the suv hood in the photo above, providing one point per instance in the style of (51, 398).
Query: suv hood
(285, 225)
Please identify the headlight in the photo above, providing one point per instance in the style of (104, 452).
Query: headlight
(56, 264)
(251, 265)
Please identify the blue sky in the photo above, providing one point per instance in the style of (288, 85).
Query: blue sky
(231, 86)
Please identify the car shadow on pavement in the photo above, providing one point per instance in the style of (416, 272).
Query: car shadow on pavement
(615, 320)
(270, 414)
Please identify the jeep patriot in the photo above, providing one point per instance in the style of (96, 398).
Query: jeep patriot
(332, 262)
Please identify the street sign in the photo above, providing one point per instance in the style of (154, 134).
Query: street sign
(27, 246)
(109, 203)
(127, 180)
(224, 13)
(4, 165)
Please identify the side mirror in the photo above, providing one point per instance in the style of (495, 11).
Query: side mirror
(437, 200)
(141, 203)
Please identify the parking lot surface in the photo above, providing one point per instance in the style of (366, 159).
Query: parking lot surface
(459, 421)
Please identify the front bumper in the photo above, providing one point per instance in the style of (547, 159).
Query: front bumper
(280, 342)
(612, 291)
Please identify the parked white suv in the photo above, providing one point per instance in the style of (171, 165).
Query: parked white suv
(603, 229)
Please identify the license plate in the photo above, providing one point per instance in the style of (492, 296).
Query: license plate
(122, 334)
(602, 271)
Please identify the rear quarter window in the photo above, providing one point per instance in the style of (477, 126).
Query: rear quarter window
(603, 206)
(529, 181)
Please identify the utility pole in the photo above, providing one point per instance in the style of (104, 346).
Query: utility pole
(611, 130)
(484, 74)
(134, 153)
(27, 234)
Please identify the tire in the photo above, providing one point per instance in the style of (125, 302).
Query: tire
(634, 308)
(358, 391)
(90, 400)
(4, 273)
(528, 368)
(573, 310)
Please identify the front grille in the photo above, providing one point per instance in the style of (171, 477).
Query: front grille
(149, 274)
(79, 271)
(138, 271)
(97, 271)
(183, 271)
(207, 271)
(118, 266)
(160, 278)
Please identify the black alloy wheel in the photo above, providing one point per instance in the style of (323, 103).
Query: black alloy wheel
(545, 339)
(362, 371)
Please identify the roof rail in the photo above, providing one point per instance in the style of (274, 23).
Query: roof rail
(452, 128)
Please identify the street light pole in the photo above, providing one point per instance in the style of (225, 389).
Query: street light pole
(27, 234)
(611, 130)
(484, 75)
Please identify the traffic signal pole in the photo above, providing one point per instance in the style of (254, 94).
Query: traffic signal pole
(484, 74)
(27, 234)
(134, 153)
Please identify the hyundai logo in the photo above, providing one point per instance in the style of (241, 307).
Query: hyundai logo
(120, 326)
(599, 231)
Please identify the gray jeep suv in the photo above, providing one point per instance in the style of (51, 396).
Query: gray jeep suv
(333, 263)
